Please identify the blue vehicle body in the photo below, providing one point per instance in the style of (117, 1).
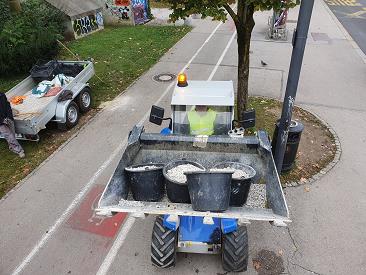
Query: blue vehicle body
(195, 230)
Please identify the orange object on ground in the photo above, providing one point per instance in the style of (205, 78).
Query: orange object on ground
(17, 99)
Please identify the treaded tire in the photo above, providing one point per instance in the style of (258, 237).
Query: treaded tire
(72, 117)
(234, 253)
(163, 245)
(84, 100)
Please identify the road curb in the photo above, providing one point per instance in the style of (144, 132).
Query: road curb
(331, 165)
(345, 33)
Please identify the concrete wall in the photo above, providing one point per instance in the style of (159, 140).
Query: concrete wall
(85, 24)
(117, 12)
(129, 12)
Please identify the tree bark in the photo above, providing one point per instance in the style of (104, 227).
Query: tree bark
(15, 6)
(244, 29)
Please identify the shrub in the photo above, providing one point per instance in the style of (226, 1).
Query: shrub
(4, 13)
(30, 36)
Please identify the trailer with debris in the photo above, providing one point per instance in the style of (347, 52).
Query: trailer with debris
(32, 113)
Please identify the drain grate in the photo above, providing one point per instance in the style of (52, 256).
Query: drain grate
(165, 77)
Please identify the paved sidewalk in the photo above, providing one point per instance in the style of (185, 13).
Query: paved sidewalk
(327, 233)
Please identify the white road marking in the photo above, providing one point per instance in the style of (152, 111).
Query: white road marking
(103, 269)
(222, 57)
(51, 230)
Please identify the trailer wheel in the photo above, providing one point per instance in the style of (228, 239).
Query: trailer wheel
(84, 100)
(235, 250)
(163, 245)
(72, 117)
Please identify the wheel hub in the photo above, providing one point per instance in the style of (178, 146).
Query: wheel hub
(72, 114)
(85, 100)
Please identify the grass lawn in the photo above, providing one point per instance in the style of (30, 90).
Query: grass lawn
(9, 82)
(121, 55)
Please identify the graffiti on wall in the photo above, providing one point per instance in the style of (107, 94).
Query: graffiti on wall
(87, 24)
(119, 9)
(139, 8)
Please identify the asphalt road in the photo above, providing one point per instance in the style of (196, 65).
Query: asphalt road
(48, 223)
(352, 15)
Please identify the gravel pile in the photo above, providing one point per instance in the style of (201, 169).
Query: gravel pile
(130, 203)
(142, 168)
(177, 173)
(238, 174)
(257, 196)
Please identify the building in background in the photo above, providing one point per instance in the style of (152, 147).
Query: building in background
(133, 12)
(83, 17)
(88, 16)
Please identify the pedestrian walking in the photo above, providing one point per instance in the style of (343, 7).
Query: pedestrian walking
(7, 127)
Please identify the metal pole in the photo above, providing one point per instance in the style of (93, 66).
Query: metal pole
(299, 43)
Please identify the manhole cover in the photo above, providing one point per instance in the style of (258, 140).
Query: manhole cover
(166, 77)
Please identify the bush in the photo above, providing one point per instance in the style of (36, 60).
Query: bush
(30, 36)
(4, 13)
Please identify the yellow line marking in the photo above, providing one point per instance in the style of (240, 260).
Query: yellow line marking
(348, 3)
(358, 14)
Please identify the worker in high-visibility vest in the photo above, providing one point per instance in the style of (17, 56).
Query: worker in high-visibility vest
(201, 121)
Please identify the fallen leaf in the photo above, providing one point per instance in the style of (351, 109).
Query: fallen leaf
(307, 189)
(257, 265)
(303, 180)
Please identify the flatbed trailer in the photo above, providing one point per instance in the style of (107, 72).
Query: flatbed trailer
(34, 113)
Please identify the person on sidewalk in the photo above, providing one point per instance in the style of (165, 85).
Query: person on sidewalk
(7, 128)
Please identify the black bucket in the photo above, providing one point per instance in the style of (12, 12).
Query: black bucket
(178, 192)
(146, 185)
(239, 187)
(209, 191)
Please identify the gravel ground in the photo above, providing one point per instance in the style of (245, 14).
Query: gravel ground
(177, 173)
(257, 196)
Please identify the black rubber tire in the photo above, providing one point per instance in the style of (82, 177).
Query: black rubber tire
(234, 254)
(163, 245)
(70, 123)
(83, 106)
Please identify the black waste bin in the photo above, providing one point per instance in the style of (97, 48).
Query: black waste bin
(293, 141)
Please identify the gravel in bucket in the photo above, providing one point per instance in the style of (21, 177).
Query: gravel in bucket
(238, 174)
(177, 173)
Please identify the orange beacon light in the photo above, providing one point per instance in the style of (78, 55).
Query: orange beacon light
(182, 80)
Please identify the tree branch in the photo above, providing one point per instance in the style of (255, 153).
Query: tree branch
(232, 13)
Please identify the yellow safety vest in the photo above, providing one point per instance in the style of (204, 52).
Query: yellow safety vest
(201, 125)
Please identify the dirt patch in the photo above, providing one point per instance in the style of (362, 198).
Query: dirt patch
(268, 263)
(317, 147)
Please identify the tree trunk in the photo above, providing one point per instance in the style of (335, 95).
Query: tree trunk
(244, 28)
(15, 6)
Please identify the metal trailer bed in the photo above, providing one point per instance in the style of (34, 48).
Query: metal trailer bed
(154, 148)
(34, 113)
